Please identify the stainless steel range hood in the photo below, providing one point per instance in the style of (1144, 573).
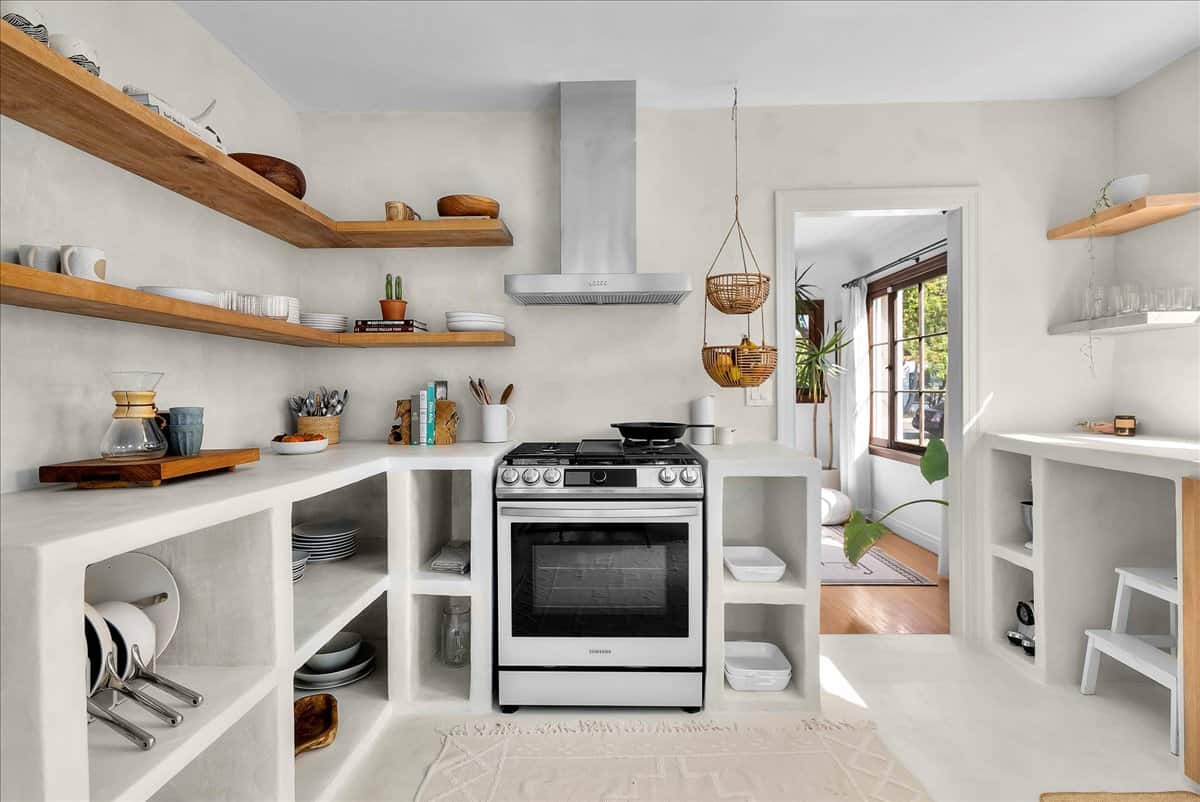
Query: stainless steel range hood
(598, 166)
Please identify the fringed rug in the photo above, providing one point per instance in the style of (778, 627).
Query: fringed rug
(599, 760)
(875, 568)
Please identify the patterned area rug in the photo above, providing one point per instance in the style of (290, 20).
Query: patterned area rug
(875, 568)
(802, 760)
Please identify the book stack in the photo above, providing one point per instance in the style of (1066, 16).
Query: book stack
(424, 413)
(164, 109)
(388, 326)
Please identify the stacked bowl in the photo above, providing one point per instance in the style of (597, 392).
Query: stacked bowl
(326, 541)
(756, 666)
(346, 659)
(299, 561)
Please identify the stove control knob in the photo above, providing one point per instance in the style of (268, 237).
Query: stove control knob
(552, 475)
(509, 476)
(689, 476)
(666, 476)
(599, 477)
(531, 476)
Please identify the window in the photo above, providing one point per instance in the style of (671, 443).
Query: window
(810, 326)
(907, 321)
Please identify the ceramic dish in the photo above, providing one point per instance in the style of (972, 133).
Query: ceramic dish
(133, 576)
(753, 564)
(473, 325)
(363, 660)
(326, 529)
(308, 447)
(325, 686)
(335, 655)
(184, 294)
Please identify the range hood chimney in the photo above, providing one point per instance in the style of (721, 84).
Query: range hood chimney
(598, 171)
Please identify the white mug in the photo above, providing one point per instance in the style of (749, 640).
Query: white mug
(81, 261)
(496, 420)
(725, 435)
(42, 257)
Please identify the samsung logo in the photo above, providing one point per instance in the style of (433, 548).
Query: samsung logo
(597, 283)
(599, 651)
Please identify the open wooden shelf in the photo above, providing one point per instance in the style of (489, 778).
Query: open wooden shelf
(46, 91)
(37, 289)
(1138, 213)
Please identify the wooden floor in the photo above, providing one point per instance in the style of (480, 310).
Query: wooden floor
(894, 609)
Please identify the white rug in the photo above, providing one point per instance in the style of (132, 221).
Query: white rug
(875, 568)
(609, 760)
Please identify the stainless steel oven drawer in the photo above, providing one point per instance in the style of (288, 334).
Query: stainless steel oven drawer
(602, 688)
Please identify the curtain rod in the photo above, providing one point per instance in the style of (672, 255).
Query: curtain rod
(917, 254)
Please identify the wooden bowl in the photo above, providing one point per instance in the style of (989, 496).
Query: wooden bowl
(316, 721)
(279, 172)
(468, 206)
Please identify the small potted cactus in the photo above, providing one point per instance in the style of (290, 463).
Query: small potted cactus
(392, 306)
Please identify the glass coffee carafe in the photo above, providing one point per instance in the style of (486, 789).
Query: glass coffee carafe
(136, 430)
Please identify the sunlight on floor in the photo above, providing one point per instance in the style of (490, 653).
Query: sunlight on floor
(835, 683)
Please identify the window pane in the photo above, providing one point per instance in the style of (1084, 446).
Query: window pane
(879, 364)
(907, 354)
(908, 303)
(934, 360)
(936, 316)
(803, 326)
(935, 415)
(879, 319)
(908, 418)
(879, 416)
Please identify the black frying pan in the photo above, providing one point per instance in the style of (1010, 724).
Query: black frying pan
(656, 430)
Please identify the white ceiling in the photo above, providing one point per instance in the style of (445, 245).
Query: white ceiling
(858, 234)
(383, 56)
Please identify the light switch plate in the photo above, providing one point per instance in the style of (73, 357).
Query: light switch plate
(761, 396)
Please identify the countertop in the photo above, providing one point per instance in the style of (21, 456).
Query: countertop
(61, 516)
(1160, 456)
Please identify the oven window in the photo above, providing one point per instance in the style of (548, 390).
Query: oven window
(619, 580)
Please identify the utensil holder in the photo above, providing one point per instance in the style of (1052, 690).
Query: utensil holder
(328, 425)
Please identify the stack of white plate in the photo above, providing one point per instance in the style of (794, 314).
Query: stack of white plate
(293, 315)
(473, 321)
(299, 560)
(326, 541)
(360, 666)
(325, 321)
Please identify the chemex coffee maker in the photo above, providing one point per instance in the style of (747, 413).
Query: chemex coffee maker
(1025, 635)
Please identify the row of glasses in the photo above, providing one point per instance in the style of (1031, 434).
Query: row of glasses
(1100, 300)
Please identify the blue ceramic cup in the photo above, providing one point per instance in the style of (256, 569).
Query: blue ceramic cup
(184, 440)
(183, 416)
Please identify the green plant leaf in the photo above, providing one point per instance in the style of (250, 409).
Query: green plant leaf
(935, 462)
(859, 536)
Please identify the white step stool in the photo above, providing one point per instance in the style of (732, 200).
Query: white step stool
(1142, 653)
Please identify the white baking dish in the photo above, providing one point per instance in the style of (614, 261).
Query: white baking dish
(763, 683)
(756, 666)
(753, 564)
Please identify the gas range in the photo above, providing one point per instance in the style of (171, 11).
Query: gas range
(616, 469)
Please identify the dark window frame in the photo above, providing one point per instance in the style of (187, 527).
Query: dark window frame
(890, 287)
(816, 334)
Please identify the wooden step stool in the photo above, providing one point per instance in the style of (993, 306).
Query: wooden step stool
(1142, 653)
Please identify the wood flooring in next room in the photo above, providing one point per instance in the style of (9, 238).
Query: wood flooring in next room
(890, 609)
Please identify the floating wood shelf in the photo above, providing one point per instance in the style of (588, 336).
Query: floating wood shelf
(37, 289)
(1138, 213)
(46, 91)
(1125, 324)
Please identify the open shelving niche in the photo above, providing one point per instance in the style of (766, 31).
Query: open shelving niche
(762, 508)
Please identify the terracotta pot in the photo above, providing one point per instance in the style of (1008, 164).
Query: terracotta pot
(392, 310)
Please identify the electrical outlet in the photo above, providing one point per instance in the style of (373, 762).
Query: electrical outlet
(761, 396)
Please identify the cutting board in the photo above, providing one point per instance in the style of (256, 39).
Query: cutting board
(101, 473)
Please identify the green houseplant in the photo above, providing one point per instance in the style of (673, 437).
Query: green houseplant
(815, 363)
(392, 306)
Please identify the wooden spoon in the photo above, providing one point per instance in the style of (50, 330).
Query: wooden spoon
(504, 396)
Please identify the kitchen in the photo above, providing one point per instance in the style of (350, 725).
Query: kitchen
(575, 369)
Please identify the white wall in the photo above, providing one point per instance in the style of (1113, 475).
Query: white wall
(1156, 376)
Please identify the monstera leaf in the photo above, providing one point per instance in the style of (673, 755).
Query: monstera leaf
(935, 462)
(860, 535)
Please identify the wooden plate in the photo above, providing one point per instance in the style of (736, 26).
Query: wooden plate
(316, 721)
(468, 206)
(280, 172)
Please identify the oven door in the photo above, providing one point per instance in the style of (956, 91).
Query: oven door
(613, 584)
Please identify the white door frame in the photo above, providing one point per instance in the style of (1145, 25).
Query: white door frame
(962, 413)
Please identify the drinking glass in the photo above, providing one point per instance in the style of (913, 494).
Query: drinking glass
(1184, 298)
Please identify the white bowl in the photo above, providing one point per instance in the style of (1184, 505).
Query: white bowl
(310, 447)
(335, 655)
(184, 294)
(273, 306)
(1129, 187)
(362, 658)
(473, 325)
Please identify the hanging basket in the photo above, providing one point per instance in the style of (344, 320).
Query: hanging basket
(739, 366)
(737, 293)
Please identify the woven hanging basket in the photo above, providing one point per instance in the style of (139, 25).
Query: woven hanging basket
(737, 293)
(739, 366)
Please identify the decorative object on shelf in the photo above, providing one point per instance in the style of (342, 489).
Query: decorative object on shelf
(280, 172)
(756, 666)
(456, 631)
(184, 294)
(74, 49)
(393, 305)
(836, 507)
(747, 364)
(82, 261)
(495, 417)
(327, 541)
(316, 721)
(396, 211)
(468, 206)
(703, 419)
(136, 429)
(1096, 427)
(1027, 516)
(445, 424)
(473, 321)
(1125, 425)
(291, 444)
(1127, 188)
(404, 326)
(726, 435)
(1025, 634)
(453, 558)
(25, 18)
(185, 431)
(105, 473)
(168, 112)
(39, 257)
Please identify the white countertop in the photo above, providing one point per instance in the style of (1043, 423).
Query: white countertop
(1163, 456)
(61, 516)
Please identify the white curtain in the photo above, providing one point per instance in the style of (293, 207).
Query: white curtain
(855, 396)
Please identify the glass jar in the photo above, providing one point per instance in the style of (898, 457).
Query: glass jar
(136, 430)
(456, 632)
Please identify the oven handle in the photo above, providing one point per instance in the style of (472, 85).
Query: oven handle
(599, 512)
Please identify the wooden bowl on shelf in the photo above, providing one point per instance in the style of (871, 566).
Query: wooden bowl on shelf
(280, 172)
(316, 721)
(468, 206)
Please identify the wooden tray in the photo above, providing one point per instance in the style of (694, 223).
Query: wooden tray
(99, 473)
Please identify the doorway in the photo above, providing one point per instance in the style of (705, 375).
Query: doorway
(896, 379)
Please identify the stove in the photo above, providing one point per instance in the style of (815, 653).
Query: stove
(601, 468)
(600, 575)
